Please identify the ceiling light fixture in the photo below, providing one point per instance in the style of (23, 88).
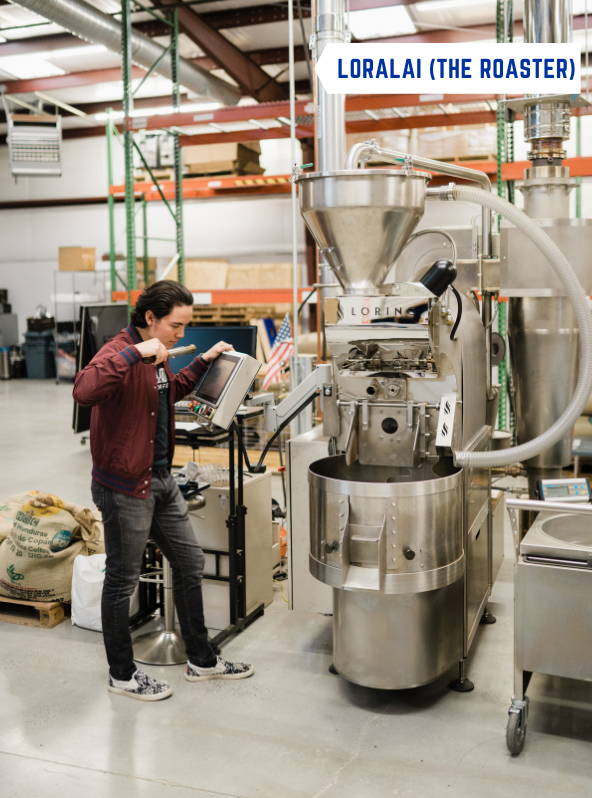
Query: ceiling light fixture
(163, 110)
(23, 67)
(373, 23)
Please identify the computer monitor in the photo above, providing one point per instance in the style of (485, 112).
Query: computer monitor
(98, 324)
(243, 339)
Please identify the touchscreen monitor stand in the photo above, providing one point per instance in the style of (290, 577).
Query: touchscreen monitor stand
(224, 386)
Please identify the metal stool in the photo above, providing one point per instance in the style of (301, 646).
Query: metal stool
(163, 646)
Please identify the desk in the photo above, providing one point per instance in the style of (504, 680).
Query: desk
(213, 455)
(209, 452)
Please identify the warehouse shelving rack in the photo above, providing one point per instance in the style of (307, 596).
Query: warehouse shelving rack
(505, 189)
(364, 114)
(131, 145)
(204, 187)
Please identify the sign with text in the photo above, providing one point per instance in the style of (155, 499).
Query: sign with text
(474, 68)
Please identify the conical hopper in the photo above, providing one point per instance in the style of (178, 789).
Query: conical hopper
(361, 219)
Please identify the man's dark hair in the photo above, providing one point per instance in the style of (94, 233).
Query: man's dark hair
(160, 297)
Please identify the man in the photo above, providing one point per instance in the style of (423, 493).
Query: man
(132, 440)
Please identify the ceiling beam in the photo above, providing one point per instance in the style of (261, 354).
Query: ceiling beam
(240, 17)
(279, 55)
(361, 126)
(41, 44)
(260, 15)
(162, 101)
(251, 79)
(304, 131)
(140, 102)
(251, 15)
(270, 55)
(89, 77)
(276, 110)
(116, 105)
(275, 55)
(354, 5)
(233, 18)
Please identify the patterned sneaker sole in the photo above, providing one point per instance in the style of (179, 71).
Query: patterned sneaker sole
(140, 696)
(226, 676)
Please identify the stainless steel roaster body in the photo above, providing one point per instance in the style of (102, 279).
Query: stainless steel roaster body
(401, 534)
(390, 543)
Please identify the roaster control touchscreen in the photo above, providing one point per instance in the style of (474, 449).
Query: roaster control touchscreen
(224, 386)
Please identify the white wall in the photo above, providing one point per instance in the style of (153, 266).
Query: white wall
(240, 228)
(84, 172)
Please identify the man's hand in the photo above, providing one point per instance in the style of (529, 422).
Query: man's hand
(216, 350)
(154, 350)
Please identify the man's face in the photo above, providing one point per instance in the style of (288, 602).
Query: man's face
(170, 329)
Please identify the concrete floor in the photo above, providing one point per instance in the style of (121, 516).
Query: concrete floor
(291, 731)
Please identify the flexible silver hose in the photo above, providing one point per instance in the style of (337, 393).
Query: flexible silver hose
(562, 426)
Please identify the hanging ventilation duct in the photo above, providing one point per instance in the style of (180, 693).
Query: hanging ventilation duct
(86, 22)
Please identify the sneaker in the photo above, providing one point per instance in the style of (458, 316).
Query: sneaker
(141, 686)
(223, 669)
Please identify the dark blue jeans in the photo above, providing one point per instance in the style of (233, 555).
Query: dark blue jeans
(129, 522)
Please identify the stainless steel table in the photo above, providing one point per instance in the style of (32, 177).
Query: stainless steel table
(552, 616)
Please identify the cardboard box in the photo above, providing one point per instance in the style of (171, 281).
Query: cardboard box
(140, 282)
(450, 143)
(203, 274)
(198, 153)
(77, 259)
(222, 168)
(151, 264)
(259, 275)
(331, 308)
(229, 157)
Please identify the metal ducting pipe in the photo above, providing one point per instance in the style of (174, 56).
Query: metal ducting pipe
(85, 21)
(547, 21)
(329, 28)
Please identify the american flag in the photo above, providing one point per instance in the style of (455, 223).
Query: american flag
(280, 353)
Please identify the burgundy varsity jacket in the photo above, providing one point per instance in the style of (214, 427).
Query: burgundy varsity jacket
(123, 394)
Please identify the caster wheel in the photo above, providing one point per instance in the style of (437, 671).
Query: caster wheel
(515, 732)
(462, 685)
(487, 618)
(333, 670)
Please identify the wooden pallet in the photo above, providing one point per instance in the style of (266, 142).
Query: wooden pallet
(194, 171)
(470, 158)
(231, 314)
(143, 176)
(31, 613)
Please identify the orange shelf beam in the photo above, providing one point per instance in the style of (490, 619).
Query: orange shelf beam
(578, 167)
(205, 187)
(232, 296)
